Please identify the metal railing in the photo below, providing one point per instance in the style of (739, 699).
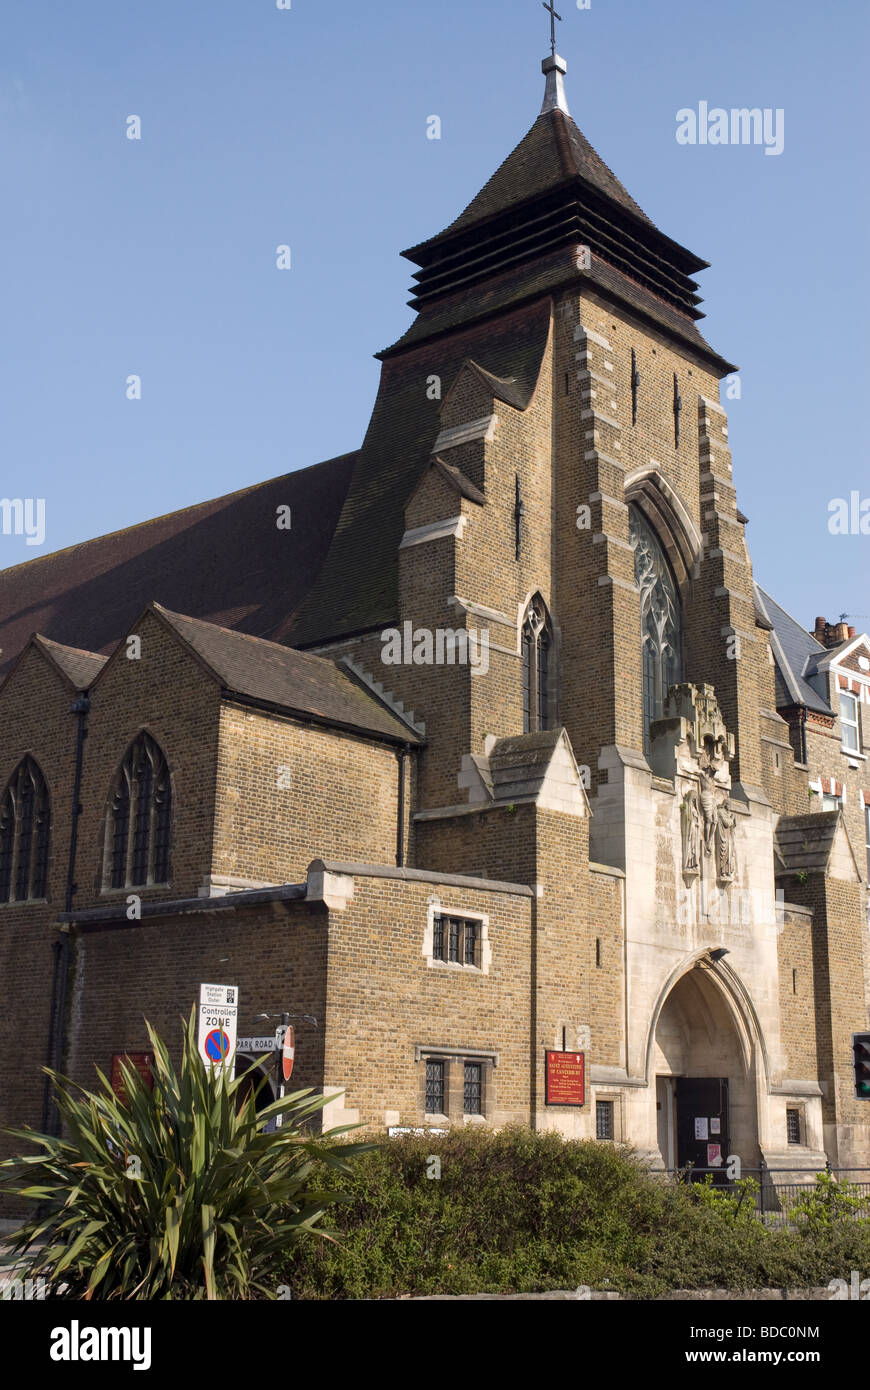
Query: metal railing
(779, 1189)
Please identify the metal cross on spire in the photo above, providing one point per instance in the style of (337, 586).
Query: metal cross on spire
(551, 10)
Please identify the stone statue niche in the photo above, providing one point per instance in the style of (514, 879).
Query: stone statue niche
(692, 748)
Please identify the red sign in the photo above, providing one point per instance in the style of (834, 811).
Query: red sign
(141, 1062)
(566, 1078)
(288, 1052)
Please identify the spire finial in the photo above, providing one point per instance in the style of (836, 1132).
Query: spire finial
(554, 69)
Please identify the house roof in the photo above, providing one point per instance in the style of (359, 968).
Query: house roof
(81, 668)
(269, 673)
(795, 652)
(224, 560)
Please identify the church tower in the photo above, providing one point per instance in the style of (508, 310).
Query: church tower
(542, 563)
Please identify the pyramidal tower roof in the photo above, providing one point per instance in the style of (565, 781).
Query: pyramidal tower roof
(554, 151)
(521, 234)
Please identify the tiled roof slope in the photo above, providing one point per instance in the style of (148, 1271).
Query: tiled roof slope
(357, 588)
(223, 560)
(554, 151)
(80, 668)
(806, 842)
(272, 674)
(794, 652)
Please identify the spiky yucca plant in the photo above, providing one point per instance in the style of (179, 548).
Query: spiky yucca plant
(170, 1192)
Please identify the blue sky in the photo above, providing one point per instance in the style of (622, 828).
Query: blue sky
(307, 127)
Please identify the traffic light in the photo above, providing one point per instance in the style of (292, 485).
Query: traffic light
(861, 1055)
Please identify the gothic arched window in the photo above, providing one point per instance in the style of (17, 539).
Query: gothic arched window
(537, 645)
(139, 818)
(25, 822)
(660, 618)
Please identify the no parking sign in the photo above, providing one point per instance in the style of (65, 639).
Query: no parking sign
(218, 1024)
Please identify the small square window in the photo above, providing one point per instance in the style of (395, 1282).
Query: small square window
(472, 1102)
(435, 1088)
(793, 1126)
(604, 1119)
(456, 940)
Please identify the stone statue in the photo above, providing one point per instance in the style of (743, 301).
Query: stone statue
(726, 849)
(692, 833)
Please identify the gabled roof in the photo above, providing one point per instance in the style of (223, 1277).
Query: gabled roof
(537, 767)
(270, 674)
(816, 842)
(457, 480)
(81, 668)
(795, 652)
(834, 654)
(224, 560)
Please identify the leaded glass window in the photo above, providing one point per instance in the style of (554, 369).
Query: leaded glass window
(435, 1095)
(604, 1119)
(537, 646)
(456, 939)
(660, 618)
(472, 1103)
(142, 800)
(25, 823)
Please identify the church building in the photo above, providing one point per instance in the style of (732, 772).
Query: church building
(477, 751)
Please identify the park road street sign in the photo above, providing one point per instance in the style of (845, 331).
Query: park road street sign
(218, 1024)
(256, 1046)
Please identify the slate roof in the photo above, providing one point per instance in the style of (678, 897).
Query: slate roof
(81, 668)
(519, 765)
(272, 674)
(805, 842)
(795, 652)
(357, 588)
(223, 560)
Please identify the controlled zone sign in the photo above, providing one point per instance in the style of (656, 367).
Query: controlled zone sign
(218, 1024)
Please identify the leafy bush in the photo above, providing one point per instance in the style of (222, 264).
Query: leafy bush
(174, 1192)
(828, 1203)
(516, 1211)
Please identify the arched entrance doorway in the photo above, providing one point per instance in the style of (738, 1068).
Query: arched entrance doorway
(704, 1063)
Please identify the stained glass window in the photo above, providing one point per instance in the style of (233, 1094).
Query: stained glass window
(660, 618)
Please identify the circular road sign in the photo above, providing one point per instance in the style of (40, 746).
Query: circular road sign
(217, 1045)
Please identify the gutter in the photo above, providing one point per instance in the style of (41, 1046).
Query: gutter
(62, 948)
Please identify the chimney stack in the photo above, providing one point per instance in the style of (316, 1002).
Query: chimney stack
(832, 634)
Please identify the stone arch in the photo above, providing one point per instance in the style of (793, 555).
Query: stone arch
(735, 998)
(704, 1030)
(669, 517)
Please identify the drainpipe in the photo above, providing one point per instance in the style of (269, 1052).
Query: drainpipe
(63, 947)
(803, 733)
(402, 756)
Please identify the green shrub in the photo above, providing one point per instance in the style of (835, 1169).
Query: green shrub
(828, 1203)
(174, 1192)
(515, 1211)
